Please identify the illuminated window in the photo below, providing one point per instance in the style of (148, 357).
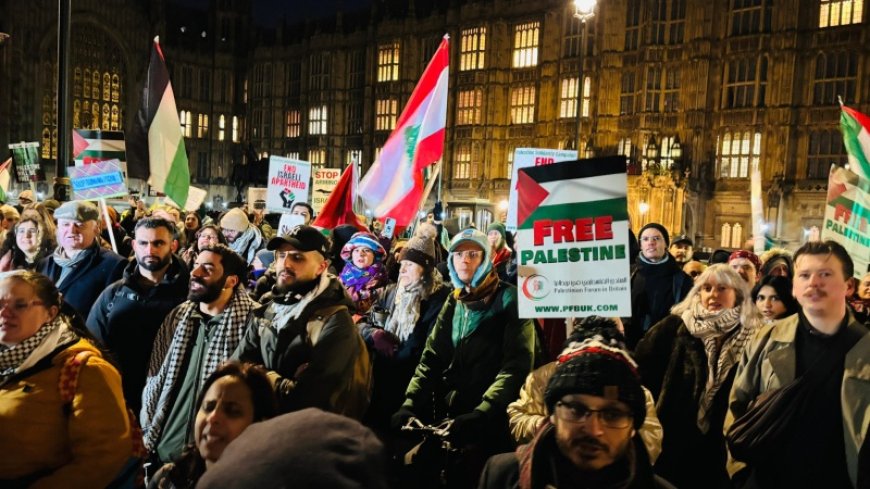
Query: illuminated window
(293, 155)
(840, 12)
(468, 107)
(236, 129)
(523, 105)
(185, 119)
(526, 44)
(587, 96)
(385, 114)
(825, 149)
(317, 120)
(737, 236)
(568, 98)
(222, 126)
(836, 75)
(317, 156)
(293, 124)
(472, 49)
(745, 83)
(737, 152)
(388, 62)
(202, 126)
(624, 147)
(354, 156)
(463, 167)
(725, 235)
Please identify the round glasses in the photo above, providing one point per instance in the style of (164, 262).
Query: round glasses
(580, 413)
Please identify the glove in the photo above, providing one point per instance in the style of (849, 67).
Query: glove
(466, 428)
(401, 418)
(384, 342)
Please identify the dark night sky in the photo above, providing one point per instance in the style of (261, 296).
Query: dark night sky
(269, 12)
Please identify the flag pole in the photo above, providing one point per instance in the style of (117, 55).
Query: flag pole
(108, 224)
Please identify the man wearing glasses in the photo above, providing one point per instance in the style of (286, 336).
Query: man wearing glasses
(596, 407)
(476, 357)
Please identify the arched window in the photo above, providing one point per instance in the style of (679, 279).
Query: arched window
(737, 236)
(725, 241)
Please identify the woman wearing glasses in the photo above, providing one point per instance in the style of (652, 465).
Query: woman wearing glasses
(28, 243)
(688, 361)
(52, 435)
(208, 235)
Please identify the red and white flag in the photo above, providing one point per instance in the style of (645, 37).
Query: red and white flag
(393, 186)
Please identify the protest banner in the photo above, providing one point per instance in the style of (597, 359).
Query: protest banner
(255, 194)
(847, 216)
(524, 158)
(572, 239)
(325, 180)
(288, 222)
(25, 159)
(289, 181)
(100, 180)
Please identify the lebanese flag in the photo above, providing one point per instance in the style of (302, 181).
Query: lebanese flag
(856, 137)
(393, 186)
(155, 147)
(338, 209)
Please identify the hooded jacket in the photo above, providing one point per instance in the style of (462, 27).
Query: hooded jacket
(49, 445)
(126, 319)
(88, 278)
(318, 359)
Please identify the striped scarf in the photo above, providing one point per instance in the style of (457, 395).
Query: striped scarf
(162, 380)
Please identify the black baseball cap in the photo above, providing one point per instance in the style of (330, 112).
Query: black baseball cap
(683, 238)
(303, 238)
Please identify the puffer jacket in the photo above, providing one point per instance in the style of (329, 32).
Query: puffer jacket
(48, 445)
(318, 360)
(528, 413)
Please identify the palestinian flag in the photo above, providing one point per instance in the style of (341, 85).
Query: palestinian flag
(93, 146)
(155, 147)
(856, 138)
(572, 190)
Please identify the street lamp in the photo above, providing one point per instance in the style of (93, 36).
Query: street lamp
(583, 10)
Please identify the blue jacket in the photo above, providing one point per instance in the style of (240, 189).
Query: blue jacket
(88, 279)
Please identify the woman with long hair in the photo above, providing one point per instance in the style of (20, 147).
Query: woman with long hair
(688, 361)
(233, 397)
(772, 296)
(26, 244)
(208, 235)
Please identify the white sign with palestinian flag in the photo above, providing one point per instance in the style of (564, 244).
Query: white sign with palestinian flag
(572, 239)
(524, 158)
(92, 146)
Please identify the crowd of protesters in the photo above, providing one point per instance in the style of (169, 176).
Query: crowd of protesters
(173, 350)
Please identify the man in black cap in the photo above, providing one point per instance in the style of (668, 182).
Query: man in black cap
(305, 335)
(682, 249)
(596, 406)
(657, 283)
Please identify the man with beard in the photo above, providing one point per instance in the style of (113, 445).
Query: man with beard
(129, 312)
(195, 338)
(682, 249)
(305, 336)
(747, 265)
(243, 237)
(823, 442)
(596, 406)
(79, 267)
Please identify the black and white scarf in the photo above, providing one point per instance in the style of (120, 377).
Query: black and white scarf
(248, 244)
(160, 386)
(12, 358)
(711, 328)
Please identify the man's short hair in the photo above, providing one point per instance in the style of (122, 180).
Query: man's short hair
(231, 261)
(157, 222)
(828, 248)
(305, 205)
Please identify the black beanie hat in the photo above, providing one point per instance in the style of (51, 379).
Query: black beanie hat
(660, 228)
(598, 367)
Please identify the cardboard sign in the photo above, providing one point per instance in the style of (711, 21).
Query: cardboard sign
(288, 222)
(25, 158)
(325, 180)
(524, 158)
(104, 179)
(289, 182)
(847, 216)
(255, 194)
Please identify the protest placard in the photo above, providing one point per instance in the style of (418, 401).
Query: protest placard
(289, 221)
(325, 180)
(524, 158)
(289, 182)
(847, 216)
(255, 194)
(25, 159)
(572, 239)
(100, 180)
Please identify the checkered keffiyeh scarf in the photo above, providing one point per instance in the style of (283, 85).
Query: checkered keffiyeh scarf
(11, 358)
(160, 386)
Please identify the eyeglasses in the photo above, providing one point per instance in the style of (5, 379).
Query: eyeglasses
(470, 254)
(654, 239)
(579, 413)
(17, 307)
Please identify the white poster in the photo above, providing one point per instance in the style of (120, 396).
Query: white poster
(325, 180)
(255, 194)
(289, 182)
(524, 158)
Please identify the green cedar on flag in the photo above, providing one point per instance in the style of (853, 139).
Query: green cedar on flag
(856, 137)
(155, 146)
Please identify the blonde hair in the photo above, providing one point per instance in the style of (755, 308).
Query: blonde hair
(722, 274)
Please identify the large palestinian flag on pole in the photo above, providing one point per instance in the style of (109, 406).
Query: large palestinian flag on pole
(155, 146)
(856, 138)
(572, 238)
(393, 186)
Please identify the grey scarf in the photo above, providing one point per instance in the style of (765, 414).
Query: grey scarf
(67, 264)
(248, 243)
(406, 310)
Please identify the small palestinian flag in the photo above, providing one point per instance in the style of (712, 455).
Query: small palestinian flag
(856, 138)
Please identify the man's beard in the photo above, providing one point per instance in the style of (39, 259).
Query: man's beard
(160, 264)
(294, 284)
(209, 294)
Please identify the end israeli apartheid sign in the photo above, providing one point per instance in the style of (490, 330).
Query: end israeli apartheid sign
(525, 158)
(847, 216)
(289, 182)
(572, 239)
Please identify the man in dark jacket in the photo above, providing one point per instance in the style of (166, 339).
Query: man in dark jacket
(657, 283)
(128, 314)
(305, 337)
(79, 267)
(596, 406)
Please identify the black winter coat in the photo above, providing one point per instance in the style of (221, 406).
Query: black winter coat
(88, 279)
(654, 290)
(126, 319)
